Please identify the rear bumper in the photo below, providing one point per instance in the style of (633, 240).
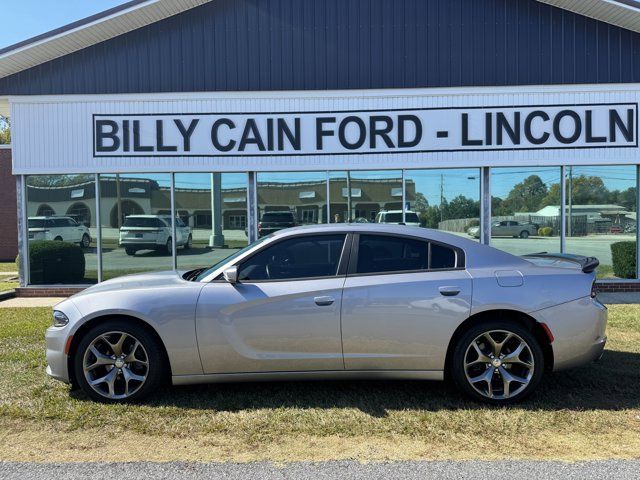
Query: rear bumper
(579, 330)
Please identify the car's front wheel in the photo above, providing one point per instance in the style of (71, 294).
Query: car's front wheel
(497, 362)
(118, 361)
(168, 248)
(524, 234)
(189, 243)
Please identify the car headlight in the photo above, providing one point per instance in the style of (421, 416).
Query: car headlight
(59, 319)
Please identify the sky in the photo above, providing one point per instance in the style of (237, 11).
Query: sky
(22, 19)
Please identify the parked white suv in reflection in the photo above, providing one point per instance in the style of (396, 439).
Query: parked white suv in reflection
(59, 228)
(153, 232)
(394, 217)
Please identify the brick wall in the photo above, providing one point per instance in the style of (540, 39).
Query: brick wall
(8, 209)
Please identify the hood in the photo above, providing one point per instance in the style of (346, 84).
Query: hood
(140, 280)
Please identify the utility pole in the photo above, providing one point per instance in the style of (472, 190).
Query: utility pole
(569, 192)
(441, 195)
(348, 197)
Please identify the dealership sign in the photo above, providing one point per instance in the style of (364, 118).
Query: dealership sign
(366, 132)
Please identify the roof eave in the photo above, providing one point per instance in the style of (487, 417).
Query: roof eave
(622, 13)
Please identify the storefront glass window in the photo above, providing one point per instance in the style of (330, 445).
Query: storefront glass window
(205, 239)
(286, 199)
(445, 199)
(361, 197)
(525, 209)
(602, 212)
(135, 217)
(61, 227)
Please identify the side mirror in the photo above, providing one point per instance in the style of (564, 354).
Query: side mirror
(231, 275)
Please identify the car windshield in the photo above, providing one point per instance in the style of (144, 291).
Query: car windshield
(411, 217)
(205, 273)
(393, 217)
(36, 222)
(141, 222)
(280, 217)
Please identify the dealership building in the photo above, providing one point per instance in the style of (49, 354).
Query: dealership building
(489, 113)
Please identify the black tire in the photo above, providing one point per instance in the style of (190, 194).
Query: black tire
(130, 251)
(460, 352)
(524, 234)
(155, 375)
(58, 238)
(168, 248)
(189, 243)
(86, 241)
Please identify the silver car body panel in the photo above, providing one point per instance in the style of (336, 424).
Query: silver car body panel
(391, 326)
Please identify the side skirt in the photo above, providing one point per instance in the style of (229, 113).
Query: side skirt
(312, 375)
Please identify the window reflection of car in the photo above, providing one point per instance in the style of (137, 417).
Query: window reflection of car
(507, 228)
(394, 217)
(59, 228)
(153, 232)
(271, 222)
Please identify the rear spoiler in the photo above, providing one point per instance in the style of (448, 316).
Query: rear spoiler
(588, 264)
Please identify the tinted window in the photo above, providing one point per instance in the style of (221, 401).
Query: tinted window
(379, 253)
(71, 222)
(393, 217)
(278, 217)
(411, 217)
(442, 257)
(302, 257)
(36, 223)
(148, 222)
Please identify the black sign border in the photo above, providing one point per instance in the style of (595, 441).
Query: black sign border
(394, 152)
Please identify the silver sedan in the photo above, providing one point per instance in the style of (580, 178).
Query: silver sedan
(336, 302)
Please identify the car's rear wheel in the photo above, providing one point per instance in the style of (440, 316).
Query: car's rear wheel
(189, 243)
(168, 247)
(497, 362)
(524, 234)
(86, 241)
(117, 361)
(130, 251)
(58, 238)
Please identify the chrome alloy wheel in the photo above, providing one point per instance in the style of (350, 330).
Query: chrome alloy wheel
(499, 364)
(115, 365)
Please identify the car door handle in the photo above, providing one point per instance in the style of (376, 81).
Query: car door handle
(449, 291)
(324, 301)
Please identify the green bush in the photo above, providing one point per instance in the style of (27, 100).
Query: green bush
(472, 223)
(52, 261)
(545, 231)
(623, 255)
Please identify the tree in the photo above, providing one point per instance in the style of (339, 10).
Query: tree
(5, 131)
(585, 190)
(59, 180)
(420, 204)
(526, 196)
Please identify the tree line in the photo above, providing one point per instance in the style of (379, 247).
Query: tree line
(530, 195)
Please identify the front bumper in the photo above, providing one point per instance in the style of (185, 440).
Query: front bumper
(56, 341)
(579, 330)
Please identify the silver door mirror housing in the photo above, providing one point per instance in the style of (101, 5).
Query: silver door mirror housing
(231, 274)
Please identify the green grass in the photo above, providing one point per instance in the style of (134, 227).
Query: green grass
(592, 412)
(604, 271)
(8, 267)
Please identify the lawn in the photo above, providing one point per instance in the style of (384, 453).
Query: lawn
(589, 413)
(8, 282)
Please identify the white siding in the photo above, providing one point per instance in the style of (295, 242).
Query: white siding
(55, 135)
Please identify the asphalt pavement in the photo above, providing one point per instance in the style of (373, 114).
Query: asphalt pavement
(344, 470)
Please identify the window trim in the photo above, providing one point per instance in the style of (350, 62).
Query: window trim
(342, 262)
(355, 242)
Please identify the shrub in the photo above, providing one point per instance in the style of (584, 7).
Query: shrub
(623, 255)
(545, 231)
(472, 223)
(52, 261)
